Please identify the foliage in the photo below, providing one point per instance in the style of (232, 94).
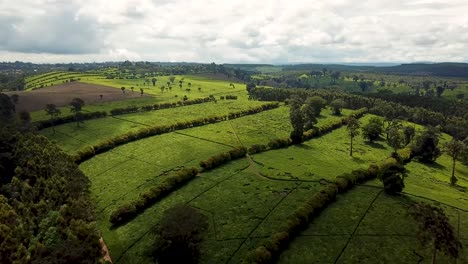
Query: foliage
(454, 149)
(435, 230)
(126, 212)
(395, 138)
(373, 129)
(352, 127)
(7, 108)
(76, 105)
(425, 147)
(222, 158)
(45, 205)
(392, 177)
(179, 235)
(297, 120)
(337, 105)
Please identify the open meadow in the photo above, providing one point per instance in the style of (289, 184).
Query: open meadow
(248, 198)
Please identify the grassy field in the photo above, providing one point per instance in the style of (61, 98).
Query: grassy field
(243, 206)
(246, 201)
(72, 138)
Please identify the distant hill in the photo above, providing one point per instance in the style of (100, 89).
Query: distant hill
(446, 69)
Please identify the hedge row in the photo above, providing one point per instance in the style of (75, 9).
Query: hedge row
(68, 119)
(222, 158)
(126, 212)
(271, 248)
(231, 97)
(103, 146)
(134, 109)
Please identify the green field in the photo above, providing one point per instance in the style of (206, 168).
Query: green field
(248, 199)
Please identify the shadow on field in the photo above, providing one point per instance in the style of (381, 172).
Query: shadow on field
(374, 145)
(434, 165)
(304, 146)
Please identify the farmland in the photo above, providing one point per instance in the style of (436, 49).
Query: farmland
(248, 198)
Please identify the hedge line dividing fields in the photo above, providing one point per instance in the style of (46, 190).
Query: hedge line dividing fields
(128, 211)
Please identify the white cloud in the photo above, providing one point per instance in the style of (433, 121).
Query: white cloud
(275, 31)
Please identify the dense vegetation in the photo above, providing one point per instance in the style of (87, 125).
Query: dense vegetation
(45, 209)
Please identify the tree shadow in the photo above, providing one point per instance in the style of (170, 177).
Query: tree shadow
(434, 165)
(358, 160)
(374, 145)
(303, 146)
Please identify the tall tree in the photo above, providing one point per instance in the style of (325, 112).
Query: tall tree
(409, 132)
(435, 230)
(154, 80)
(297, 120)
(53, 112)
(76, 106)
(454, 149)
(352, 127)
(395, 139)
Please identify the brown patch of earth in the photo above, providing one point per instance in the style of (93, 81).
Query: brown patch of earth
(62, 94)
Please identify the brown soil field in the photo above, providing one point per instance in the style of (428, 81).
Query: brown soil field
(62, 94)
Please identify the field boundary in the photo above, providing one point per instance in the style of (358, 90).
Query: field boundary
(357, 226)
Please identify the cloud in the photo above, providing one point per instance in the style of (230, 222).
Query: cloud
(274, 31)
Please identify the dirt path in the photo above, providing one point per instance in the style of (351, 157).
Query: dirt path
(105, 250)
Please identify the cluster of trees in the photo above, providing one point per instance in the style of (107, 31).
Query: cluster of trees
(103, 146)
(45, 209)
(453, 125)
(303, 115)
(231, 97)
(126, 212)
(11, 82)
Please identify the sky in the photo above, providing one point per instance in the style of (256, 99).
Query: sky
(235, 31)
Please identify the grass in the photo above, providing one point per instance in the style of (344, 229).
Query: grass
(318, 158)
(71, 138)
(242, 205)
(365, 226)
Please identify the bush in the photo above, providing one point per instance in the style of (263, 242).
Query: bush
(279, 143)
(69, 119)
(257, 148)
(222, 158)
(126, 212)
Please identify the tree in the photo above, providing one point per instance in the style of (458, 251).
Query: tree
(373, 129)
(395, 139)
(172, 79)
(352, 127)
(435, 230)
(76, 105)
(335, 76)
(53, 112)
(179, 235)
(14, 98)
(425, 148)
(454, 148)
(337, 105)
(132, 88)
(123, 89)
(162, 88)
(100, 96)
(141, 91)
(250, 86)
(154, 80)
(317, 103)
(409, 133)
(392, 177)
(309, 116)
(296, 118)
(7, 108)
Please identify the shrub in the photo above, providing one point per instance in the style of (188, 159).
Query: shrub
(257, 148)
(126, 212)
